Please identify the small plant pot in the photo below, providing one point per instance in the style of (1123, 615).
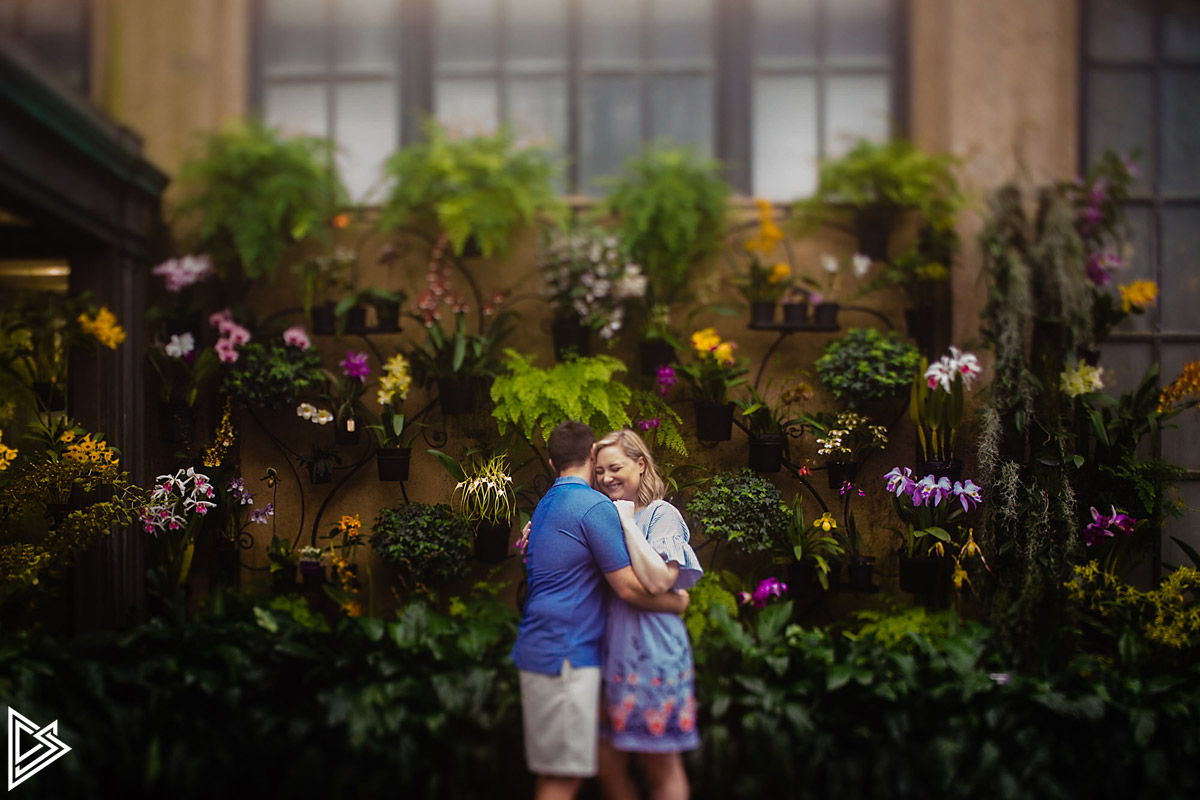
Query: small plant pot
(571, 337)
(655, 353)
(283, 580)
(762, 312)
(356, 319)
(312, 574)
(795, 314)
(873, 230)
(387, 317)
(177, 423)
(860, 573)
(324, 321)
(392, 463)
(766, 453)
(714, 423)
(456, 396)
(951, 469)
(51, 396)
(347, 431)
(825, 315)
(919, 323)
(840, 472)
(920, 576)
(492, 541)
(317, 478)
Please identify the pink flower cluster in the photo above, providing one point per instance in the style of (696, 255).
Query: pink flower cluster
(930, 490)
(232, 335)
(955, 365)
(296, 336)
(440, 290)
(665, 379)
(649, 424)
(1105, 526)
(179, 273)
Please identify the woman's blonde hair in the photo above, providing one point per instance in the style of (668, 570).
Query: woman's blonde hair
(652, 486)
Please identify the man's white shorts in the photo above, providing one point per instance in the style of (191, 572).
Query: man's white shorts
(561, 714)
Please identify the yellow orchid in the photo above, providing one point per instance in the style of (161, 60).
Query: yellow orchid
(1138, 295)
(825, 522)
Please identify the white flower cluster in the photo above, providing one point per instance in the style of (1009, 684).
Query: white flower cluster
(958, 364)
(310, 412)
(1083, 379)
(175, 498)
(588, 272)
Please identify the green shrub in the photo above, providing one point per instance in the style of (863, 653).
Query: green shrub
(743, 509)
(866, 365)
(273, 375)
(428, 543)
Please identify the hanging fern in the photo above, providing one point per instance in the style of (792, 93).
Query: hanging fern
(661, 423)
(534, 400)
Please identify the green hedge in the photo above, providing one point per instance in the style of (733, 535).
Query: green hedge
(425, 706)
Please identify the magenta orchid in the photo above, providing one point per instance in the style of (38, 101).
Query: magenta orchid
(665, 378)
(354, 365)
(297, 336)
(766, 589)
(1106, 526)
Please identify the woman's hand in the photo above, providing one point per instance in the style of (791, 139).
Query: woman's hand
(523, 542)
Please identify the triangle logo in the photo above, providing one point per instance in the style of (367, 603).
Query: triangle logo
(30, 748)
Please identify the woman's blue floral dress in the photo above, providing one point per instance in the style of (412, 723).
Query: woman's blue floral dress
(649, 701)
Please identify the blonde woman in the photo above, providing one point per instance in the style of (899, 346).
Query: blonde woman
(649, 703)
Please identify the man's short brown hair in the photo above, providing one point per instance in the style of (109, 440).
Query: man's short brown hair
(570, 444)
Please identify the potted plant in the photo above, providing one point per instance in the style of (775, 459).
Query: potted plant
(766, 279)
(771, 425)
(343, 393)
(478, 189)
(867, 191)
(743, 509)
(328, 277)
(393, 457)
(936, 409)
(865, 365)
(715, 371)
(174, 513)
(386, 304)
(591, 281)
(312, 571)
(845, 439)
(252, 194)
(272, 374)
(808, 551)
(930, 509)
(181, 370)
(282, 561)
(670, 209)
(428, 543)
(485, 498)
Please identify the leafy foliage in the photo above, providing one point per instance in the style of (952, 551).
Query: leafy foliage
(481, 187)
(534, 400)
(742, 508)
(254, 193)
(430, 543)
(671, 214)
(866, 365)
(273, 374)
(707, 594)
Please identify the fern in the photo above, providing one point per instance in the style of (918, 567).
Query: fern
(534, 400)
(667, 434)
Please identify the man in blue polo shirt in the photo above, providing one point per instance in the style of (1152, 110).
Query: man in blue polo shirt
(576, 548)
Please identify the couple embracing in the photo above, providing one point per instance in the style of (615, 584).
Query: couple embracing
(604, 659)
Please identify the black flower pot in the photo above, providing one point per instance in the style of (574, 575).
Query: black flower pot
(655, 353)
(714, 422)
(922, 574)
(762, 312)
(860, 572)
(795, 314)
(356, 319)
(825, 315)
(177, 423)
(873, 229)
(387, 317)
(919, 322)
(456, 396)
(492, 541)
(571, 337)
(766, 453)
(312, 574)
(840, 472)
(347, 431)
(392, 463)
(283, 581)
(951, 469)
(324, 321)
(317, 477)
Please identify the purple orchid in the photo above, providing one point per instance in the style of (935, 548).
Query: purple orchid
(665, 379)
(767, 588)
(1107, 526)
(967, 493)
(900, 482)
(355, 365)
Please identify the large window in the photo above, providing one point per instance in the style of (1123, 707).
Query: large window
(1141, 91)
(54, 33)
(767, 86)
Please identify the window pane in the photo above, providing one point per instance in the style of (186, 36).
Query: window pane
(367, 37)
(1180, 292)
(1181, 445)
(465, 36)
(785, 33)
(1139, 259)
(859, 33)
(1180, 145)
(1183, 528)
(681, 109)
(611, 34)
(1120, 29)
(1181, 30)
(294, 37)
(297, 108)
(466, 106)
(610, 128)
(537, 37)
(785, 137)
(1124, 366)
(537, 110)
(682, 33)
(367, 125)
(858, 109)
(1120, 117)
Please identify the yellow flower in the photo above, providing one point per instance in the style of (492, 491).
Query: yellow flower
(780, 272)
(7, 454)
(1138, 295)
(1183, 388)
(724, 352)
(104, 327)
(67, 437)
(705, 341)
(826, 522)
